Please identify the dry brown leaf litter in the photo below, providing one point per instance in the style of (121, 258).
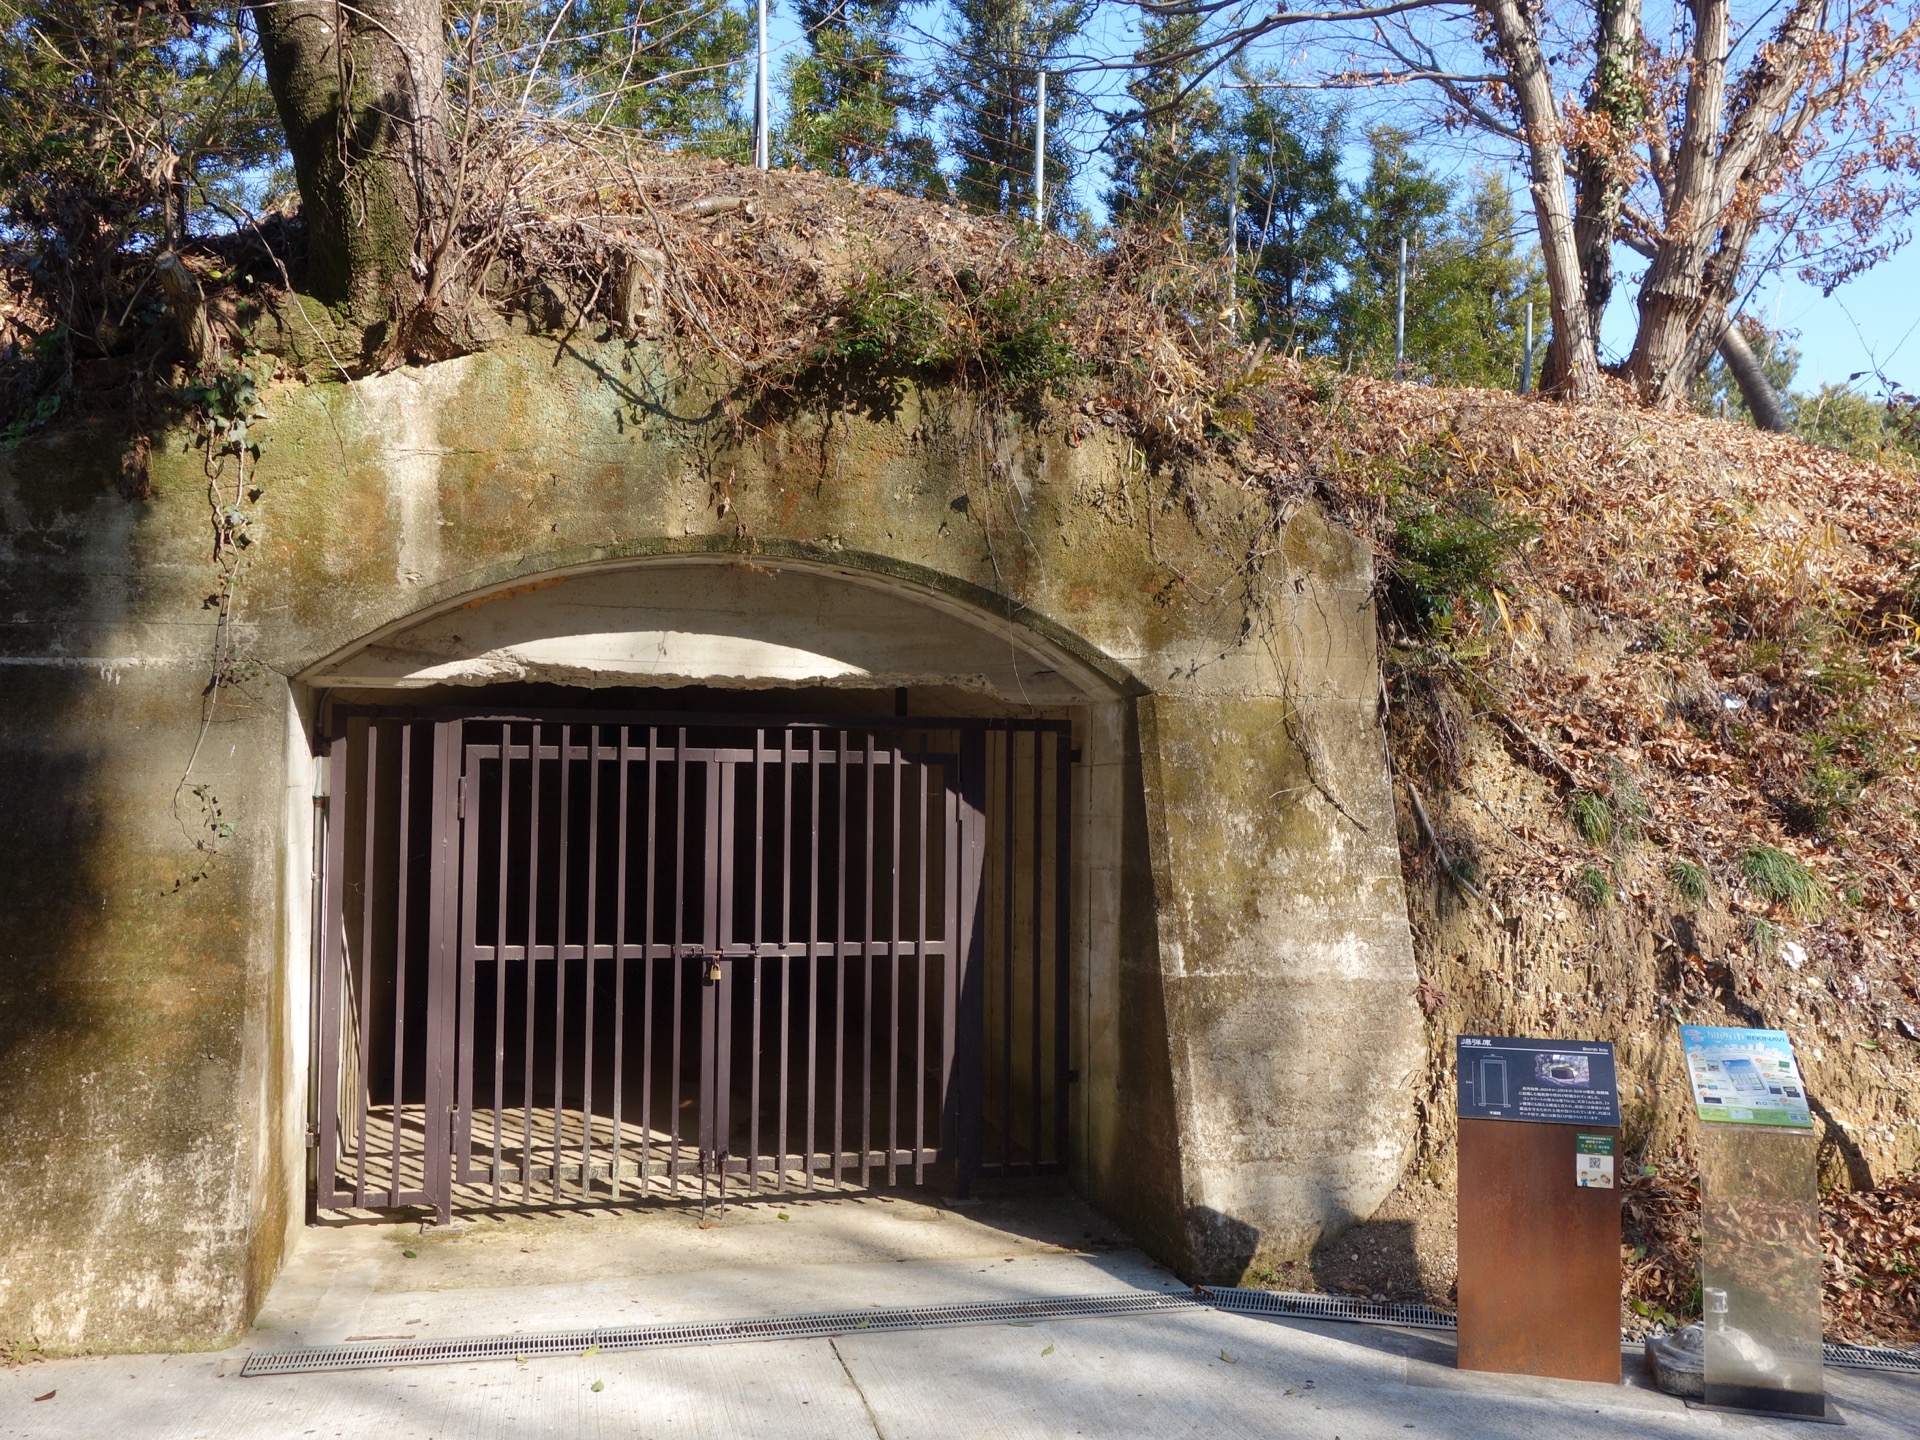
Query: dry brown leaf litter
(1701, 602)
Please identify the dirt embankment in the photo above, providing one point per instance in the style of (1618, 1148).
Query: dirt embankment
(1660, 768)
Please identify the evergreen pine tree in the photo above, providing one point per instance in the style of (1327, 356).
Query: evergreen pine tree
(1295, 221)
(1400, 200)
(998, 50)
(1170, 164)
(1468, 276)
(849, 102)
(1467, 305)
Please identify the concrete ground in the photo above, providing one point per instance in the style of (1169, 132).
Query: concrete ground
(1197, 1373)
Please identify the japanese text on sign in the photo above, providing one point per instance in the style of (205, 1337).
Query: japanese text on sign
(1551, 1082)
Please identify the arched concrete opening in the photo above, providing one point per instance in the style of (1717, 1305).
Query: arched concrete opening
(734, 646)
(732, 622)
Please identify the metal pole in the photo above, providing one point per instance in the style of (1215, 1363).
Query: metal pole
(1526, 373)
(762, 148)
(1233, 239)
(1400, 318)
(1040, 151)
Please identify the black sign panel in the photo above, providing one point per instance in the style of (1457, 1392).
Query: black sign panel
(1551, 1082)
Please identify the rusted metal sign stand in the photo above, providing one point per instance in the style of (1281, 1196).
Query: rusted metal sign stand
(1539, 1209)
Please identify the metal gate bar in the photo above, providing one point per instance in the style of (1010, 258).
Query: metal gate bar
(379, 966)
(870, 830)
(1030, 908)
(542, 840)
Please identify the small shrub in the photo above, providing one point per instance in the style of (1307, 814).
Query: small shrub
(18, 1350)
(1690, 880)
(1843, 673)
(1630, 808)
(1827, 792)
(1446, 549)
(24, 425)
(1776, 876)
(887, 323)
(1024, 341)
(1592, 816)
(1765, 936)
(1674, 637)
(1592, 888)
(1764, 657)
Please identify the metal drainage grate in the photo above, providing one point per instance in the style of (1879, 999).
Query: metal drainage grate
(1871, 1357)
(1326, 1307)
(1426, 1317)
(648, 1337)
(928, 1317)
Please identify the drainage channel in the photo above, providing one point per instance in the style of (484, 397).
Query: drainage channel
(1426, 1317)
(373, 1356)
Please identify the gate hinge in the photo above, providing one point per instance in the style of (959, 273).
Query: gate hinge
(313, 1137)
(461, 804)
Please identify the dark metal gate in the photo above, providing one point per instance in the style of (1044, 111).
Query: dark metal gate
(596, 960)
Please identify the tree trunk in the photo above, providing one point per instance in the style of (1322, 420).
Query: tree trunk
(1573, 367)
(366, 120)
(1672, 298)
(1763, 401)
(186, 303)
(1603, 161)
(1722, 168)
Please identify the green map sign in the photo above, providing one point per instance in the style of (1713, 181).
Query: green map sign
(1745, 1077)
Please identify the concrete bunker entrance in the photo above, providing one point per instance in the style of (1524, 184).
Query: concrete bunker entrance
(591, 945)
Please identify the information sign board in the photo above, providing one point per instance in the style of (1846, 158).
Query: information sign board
(1539, 1208)
(1745, 1077)
(1549, 1082)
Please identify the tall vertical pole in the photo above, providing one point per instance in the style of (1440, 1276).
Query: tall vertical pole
(1400, 318)
(762, 146)
(1526, 371)
(1233, 239)
(1040, 151)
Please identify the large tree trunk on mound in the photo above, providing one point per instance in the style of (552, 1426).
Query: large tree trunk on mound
(1732, 144)
(365, 113)
(1614, 101)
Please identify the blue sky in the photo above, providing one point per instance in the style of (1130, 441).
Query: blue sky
(1870, 324)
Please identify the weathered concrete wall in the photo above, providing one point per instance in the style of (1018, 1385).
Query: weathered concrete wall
(140, 976)
(574, 516)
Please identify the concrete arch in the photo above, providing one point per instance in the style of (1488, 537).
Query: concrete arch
(801, 618)
(786, 614)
